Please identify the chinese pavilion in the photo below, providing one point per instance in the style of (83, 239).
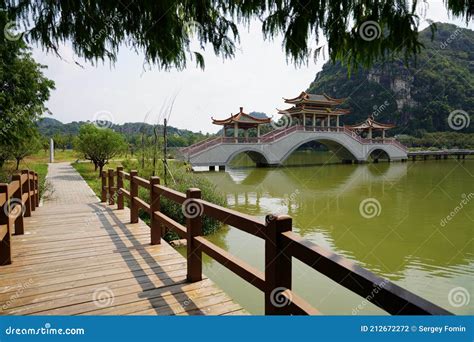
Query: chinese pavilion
(241, 121)
(370, 125)
(315, 110)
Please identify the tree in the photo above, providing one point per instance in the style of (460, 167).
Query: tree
(60, 141)
(24, 148)
(356, 31)
(23, 91)
(99, 145)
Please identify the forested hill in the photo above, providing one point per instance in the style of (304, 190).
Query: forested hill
(416, 98)
(132, 131)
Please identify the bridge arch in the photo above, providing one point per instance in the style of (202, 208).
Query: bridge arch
(336, 146)
(378, 153)
(258, 156)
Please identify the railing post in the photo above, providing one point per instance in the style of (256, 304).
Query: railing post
(119, 186)
(193, 212)
(111, 187)
(37, 192)
(5, 242)
(155, 206)
(133, 194)
(26, 189)
(277, 265)
(103, 194)
(19, 225)
(32, 189)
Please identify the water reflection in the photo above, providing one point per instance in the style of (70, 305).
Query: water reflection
(405, 242)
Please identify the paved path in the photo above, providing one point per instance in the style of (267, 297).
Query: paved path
(81, 257)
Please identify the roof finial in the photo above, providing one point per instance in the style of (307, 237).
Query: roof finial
(241, 109)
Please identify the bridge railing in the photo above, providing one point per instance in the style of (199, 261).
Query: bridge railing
(280, 133)
(281, 245)
(18, 199)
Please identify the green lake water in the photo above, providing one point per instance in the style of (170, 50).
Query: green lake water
(405, 241)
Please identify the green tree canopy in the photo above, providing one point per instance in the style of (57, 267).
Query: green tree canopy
(99, 145)
(358, 32)
(23, 91)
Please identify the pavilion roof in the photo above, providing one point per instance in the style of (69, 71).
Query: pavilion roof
(370, 123)
(323, 99)
(241, 118)
(313, 110)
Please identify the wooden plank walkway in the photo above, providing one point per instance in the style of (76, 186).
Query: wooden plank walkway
(81, 257)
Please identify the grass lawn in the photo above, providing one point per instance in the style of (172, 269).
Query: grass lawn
(59, 156)
(86, 170)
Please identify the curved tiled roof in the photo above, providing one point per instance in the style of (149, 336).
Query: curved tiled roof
(324, 99)
(242, 118)
(370, 123)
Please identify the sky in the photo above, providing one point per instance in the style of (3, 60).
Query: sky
(257, 78)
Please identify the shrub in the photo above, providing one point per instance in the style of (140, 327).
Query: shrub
(179, 180)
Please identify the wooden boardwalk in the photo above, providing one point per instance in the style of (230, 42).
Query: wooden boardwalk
(81, 257)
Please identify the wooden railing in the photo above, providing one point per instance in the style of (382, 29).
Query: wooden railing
(18, 199)
(281, 246)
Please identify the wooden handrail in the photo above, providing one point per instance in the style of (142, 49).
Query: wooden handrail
(171, 224)
(142, 182)
(281, 245)
(388, 296)
(239, 267)
(171, 194)
(22, 192)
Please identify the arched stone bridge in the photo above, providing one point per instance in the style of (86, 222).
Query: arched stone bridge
(275, 147)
